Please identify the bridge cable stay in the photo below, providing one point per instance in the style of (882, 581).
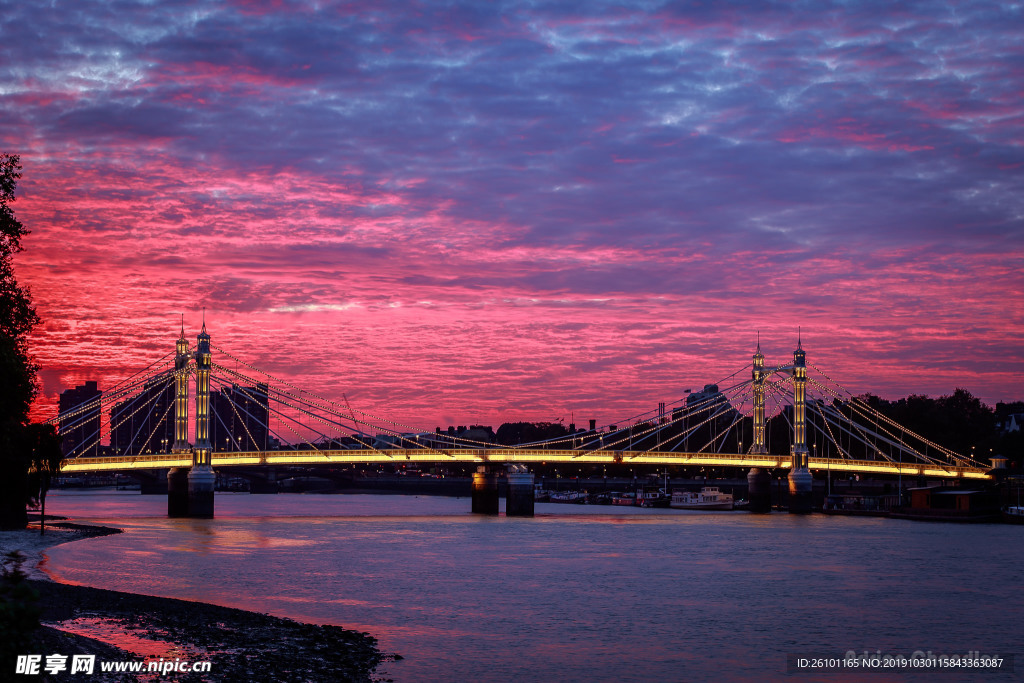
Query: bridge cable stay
(220, 421)
(710, 402)
(87, 409)
(337, 407)
(245, 423)
(859, 407)
(629, 433)
(817, 406)
(855, 430)
(831, 416)
(869, 435)
(713, 403)
(278, 436)
(284, 402)
(636, 419)
(899, 443)
(118, 389)
(95, 437)
(156, 426)
(224, 383)
(831, 437)
(234, 406)
(863, 406)
(863, 433)
(739, 417)
(718, 403)
(320, 417)
(156, 394)
(336, 411)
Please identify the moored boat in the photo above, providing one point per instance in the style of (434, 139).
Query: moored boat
(709, 498)
(1014, 514)
(579, 497)
(652, 498)
(628, 498)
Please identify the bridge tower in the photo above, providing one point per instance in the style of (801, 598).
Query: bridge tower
(201, 478)
(800, 480)
(759, 482)
(181, 360)
(177, 477)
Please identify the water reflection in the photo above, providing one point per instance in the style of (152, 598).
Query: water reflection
(573, 594)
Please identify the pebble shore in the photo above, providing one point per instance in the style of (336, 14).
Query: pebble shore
(240, 645)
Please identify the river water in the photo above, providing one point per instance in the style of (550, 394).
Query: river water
(578, 593)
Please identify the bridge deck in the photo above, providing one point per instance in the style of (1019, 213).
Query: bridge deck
(512, 455)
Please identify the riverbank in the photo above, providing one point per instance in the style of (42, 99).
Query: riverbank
(126, 627)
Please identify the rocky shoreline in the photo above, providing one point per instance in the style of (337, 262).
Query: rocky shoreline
(239, 645)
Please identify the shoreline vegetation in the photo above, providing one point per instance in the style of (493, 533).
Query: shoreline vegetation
(127, 627)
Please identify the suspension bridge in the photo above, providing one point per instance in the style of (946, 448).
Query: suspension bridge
(250, 419)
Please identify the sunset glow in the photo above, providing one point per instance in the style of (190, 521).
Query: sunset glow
(482, 212)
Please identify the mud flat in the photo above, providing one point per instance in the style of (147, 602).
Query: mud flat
(127, 627)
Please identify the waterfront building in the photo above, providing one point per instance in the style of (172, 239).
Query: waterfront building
(145, 422)
(240, 418)
(80, 431)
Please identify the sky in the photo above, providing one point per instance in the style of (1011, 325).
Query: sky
(461, 213)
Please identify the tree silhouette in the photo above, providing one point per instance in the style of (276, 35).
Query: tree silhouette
(17, 371)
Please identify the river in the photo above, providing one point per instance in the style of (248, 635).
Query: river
(578, 593)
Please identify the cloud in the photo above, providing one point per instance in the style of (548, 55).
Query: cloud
(709, 171)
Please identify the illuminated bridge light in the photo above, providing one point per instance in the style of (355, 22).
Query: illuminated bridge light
(482, 455)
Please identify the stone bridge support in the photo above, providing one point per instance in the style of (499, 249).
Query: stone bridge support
(485, 491)
(519, 496)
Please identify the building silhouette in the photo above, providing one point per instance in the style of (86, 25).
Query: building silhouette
(145, 422)
(240, 418)
(79, 431)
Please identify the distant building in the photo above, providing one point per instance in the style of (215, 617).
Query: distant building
(709, 395)
(80, 428)
(240, 418)
(1012, 423)
(144, 423)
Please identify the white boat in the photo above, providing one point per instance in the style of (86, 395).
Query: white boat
(569, 497)
(652, 499)
(1013, 514)
(709, 498)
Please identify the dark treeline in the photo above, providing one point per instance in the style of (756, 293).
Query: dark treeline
(29, 453)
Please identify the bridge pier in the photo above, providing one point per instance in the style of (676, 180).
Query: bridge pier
(759, 490)
(485, 491)
(201, 481)
(800, 487)
(519, 497)
(177, 492)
